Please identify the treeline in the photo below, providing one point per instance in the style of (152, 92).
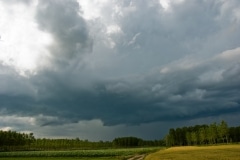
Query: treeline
(136, 142)
(203, 135)
(12, 141)
(67, 144)
(193, 135)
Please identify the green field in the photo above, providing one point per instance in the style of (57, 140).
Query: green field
(103, 154)
(222, 152)
(56, 158)
(63, 158)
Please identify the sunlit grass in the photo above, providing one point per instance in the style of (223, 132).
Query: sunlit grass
(223, 152)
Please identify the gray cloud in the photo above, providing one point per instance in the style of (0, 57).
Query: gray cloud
(16, 1)
(177, 94)
(63, 20)
(137, 65)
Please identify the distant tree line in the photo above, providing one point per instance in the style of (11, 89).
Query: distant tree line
(203, 135)
(11, 141)
(194, 135)
(65, 144)
(136, 142)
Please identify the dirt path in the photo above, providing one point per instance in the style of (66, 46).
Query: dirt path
(137, 157)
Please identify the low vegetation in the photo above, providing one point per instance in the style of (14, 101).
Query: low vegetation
(222, 152)
(104, 153)
(64, 158)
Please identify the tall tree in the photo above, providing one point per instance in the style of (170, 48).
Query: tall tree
(171, 137)
(202, 135)
(194, 138)
(223, 131)
(212, 133)
(189, 138)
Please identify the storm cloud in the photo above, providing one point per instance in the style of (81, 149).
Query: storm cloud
(63, 20)
(124, 66)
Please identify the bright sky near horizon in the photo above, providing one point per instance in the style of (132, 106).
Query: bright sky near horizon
(99, 69)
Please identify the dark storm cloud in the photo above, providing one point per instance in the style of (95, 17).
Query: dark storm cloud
(12, 84)
(167, 66)
(174, 95)
(63, 21)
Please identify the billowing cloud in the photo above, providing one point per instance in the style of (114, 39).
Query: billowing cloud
(127, 65)
(64, 21)
(22, 43)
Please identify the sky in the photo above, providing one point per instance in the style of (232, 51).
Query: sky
(100, 69)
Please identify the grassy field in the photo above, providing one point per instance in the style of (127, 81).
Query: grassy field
(57, 158)
(66, 158)
(103, 154)
(222, 152)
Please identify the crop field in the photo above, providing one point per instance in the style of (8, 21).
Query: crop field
(103, 154)
(66, 158)
(222, 152)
